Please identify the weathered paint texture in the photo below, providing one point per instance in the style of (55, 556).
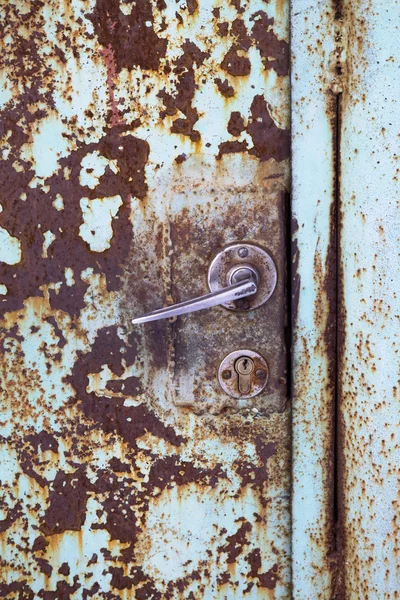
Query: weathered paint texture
(369, 439)
(314, 85)
(346, 203)
(138, 138)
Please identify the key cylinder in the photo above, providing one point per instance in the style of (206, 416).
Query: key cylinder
(243, 374)
(244, 367)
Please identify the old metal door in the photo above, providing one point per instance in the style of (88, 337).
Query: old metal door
(139, 139)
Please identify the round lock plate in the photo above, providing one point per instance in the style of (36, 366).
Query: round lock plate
(244, 370)
(227, 265)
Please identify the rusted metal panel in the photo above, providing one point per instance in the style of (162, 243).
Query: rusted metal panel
(369, 351)
(313, 92)
(118, 121)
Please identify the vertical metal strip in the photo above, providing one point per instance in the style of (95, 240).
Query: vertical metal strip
(314, 290)
(370, 247)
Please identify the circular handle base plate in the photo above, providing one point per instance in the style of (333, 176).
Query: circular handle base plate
(228, 260)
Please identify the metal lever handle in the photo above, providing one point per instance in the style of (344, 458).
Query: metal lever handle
(245, 287)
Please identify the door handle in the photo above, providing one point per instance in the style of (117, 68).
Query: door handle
(241, 277)
(231, 293)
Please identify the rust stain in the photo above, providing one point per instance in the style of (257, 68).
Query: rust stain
(184, 92)
(132, 37)
(111, 488)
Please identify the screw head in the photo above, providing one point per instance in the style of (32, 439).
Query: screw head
(243, 252)
(261, 374)
(227, 374)
(242, 304)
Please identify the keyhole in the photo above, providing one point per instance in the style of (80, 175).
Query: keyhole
(243, 374)
(244, 367)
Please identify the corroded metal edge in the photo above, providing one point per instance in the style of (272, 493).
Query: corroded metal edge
(314, 74)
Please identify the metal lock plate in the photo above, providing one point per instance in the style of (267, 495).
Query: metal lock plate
(196, 344)
(243, 374)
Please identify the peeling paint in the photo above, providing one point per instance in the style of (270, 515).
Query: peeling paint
(10, 248)
(98, 214)
(125, 471)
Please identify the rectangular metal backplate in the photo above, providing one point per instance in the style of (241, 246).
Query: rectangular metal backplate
(211, 206)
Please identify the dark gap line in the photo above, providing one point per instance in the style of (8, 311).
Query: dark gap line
(336, 500)
(337, 590)
(288, 277)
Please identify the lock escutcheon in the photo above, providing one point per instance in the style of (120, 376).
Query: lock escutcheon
(243, 374)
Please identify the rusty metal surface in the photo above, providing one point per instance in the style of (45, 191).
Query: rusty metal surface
(221, 332)
(132, 132)
(313, 88)
(369, 363)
